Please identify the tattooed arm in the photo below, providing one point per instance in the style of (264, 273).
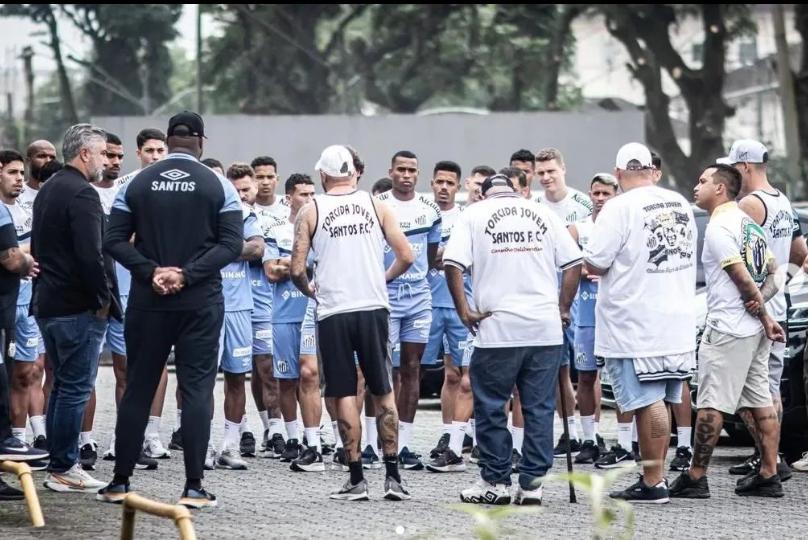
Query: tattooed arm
(300, 249)
(750, 293)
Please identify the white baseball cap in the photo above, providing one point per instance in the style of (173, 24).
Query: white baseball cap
(633, 152)
(336, 161)
(746, 151)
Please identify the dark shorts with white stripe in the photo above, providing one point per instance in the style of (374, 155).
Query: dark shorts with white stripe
(363, 332)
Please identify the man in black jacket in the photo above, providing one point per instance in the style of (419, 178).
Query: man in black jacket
(72, 296)
(187, 222)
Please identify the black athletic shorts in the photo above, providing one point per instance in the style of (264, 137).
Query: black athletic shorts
(366, 333)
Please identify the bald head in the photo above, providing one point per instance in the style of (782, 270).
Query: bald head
(38, 154)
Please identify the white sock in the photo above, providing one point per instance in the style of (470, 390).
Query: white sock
(404, 435)
(518, 436)
(456, 433)
(683, 436)
(337, 438)
(153, 428)
(371, 433)
(38, 425)
(469, 427)
(624, 435)
(447, 428)
(84, 437)
(231, 436)
(243, 428)
(264, 419)
(275, 427)
(178, 420)
(635, 437)
(588, 427)
(18, 432)
(597, 427)
(291, 430)
(313, 437)
(573, 427)
(473, 432)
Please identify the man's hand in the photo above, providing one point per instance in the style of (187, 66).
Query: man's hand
(753, 308)
(167, 280)
(566, 318)
(471, 319)
(773, 330)
(33, 268)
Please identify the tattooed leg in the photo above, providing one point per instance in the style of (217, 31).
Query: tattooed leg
(708, 429)
(768, 425)
(751, 426)
(653, 425)
(349, 428)
(387, 423)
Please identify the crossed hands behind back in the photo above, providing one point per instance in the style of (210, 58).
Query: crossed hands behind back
(167, 280)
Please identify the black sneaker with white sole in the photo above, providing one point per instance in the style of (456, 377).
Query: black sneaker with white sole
(113, 493)
(370, 460)
(394, 490)
(145, 463)
(13, 449)
(340, 460)
(351, 492)
(291, 452)
(682, 460)
(601, 443)
(750, 464)
(643, 494)
(468, 444)
(40, 442)
(516, 459)
(197, 499)
(616, 457)
(247, 444)
(783, 469)
(754, 485)
(176, 440)
(561, 448)
(409, 460)
(441, 447)
(474, 456)
(39, 465)
(448, 461)
(275, 447)
(309, 461)
(8, 493)
(684, 487)
(589, 453)
(88, 455)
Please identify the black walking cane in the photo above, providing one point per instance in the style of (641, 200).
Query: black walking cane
(573, 498)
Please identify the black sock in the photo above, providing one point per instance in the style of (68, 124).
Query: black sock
(193, 483)
(391, 466)
(120, 479)
(356, 471)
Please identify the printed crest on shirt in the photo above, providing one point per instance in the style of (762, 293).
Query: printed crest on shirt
(669, 237)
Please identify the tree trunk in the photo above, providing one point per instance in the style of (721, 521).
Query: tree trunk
(68, 103)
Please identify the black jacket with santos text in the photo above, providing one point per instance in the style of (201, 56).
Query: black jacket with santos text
(182, 214)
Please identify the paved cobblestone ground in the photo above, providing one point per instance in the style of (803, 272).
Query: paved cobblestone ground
(269, 501)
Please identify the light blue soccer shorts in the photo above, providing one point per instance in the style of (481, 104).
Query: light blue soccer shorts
(446, 329)
(235, 342)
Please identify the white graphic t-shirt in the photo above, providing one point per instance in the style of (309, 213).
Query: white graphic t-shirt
(574, 207)
(646, 239)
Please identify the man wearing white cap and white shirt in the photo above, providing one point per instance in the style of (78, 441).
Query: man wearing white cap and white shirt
(644, 247)
(772, 210)
(347, 229)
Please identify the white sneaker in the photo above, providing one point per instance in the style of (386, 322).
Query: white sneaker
(527, 496)
(74, 480)
(484, 493)
(801, 464)
(154, 449)
(229, 459)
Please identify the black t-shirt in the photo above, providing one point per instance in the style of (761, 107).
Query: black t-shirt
(9, 281)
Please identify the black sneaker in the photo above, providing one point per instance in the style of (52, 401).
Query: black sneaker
(145, 463)
(616, 457)
(13, 449)
(783, 469)
(176, 440)
(291, 452)
(38, 465)
(682, 460)
(516, 459)
(468, 444)
(340, 460)
(197, 498)
(309, 461)
(750, 464)
(685, 487)
(635, 449)
(441, 447)
(561, 448)
(409, 460)
(754, 485)
(8, 493)
(112, 493)
(589, 453)
(327, 449)
(448, 461)
(640, 493)
(247, 444)
(276, 446)
(369, 459)
(474, 457)
(41, 443)
(88, 455)
(601, 443)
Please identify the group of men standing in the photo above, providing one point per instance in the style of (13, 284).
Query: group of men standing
(349, 293)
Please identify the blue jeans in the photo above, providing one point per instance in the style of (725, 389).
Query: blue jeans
(494, 373)
(72, 344)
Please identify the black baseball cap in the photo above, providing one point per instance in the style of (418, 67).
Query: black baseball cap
(498, 180)
(189, 119)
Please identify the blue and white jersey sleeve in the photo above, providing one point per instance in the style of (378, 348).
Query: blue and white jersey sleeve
(288, 303)
(236, 285)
